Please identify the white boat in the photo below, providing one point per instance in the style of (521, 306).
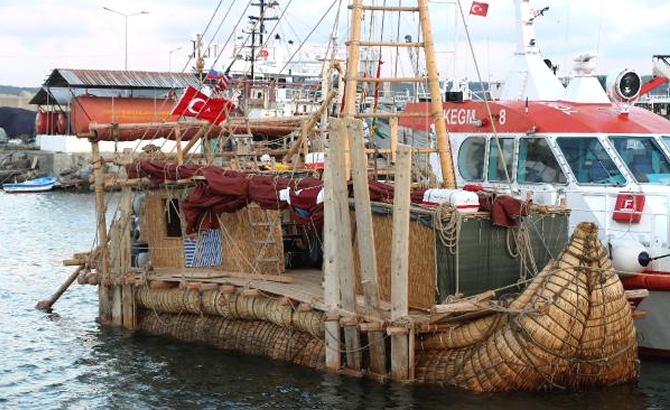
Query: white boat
(607, 159)
(32, 185)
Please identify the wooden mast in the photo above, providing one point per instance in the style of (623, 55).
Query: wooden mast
(401, 357)
(436, 110)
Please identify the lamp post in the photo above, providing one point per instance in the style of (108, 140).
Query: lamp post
(125, 66)
(170, 60)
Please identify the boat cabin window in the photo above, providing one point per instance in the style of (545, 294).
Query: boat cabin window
(537, 163)
(172, 219)
(643, 157)
(589, 161)
(471, 156)
(499, 162)
(666, 141)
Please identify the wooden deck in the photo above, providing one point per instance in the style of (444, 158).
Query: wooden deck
(301, 285)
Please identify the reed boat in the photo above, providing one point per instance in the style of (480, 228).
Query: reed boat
(326, 267)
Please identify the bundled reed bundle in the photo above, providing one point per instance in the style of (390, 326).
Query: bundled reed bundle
(252, 337)
(571, 327)
(231, 306)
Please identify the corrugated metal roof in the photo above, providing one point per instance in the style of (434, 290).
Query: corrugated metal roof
(51, 96)
(75, 78)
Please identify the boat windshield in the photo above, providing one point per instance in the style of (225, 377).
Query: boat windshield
(537, 163)
(644, 158)
(500, 161)
(666, 141)
(471, 158)
(589, 161)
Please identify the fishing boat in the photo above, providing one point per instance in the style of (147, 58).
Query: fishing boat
(580, 144)
(328, 268)
(32, 185)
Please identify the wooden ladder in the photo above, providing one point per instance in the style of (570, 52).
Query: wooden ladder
(353, 78)
(269, 251)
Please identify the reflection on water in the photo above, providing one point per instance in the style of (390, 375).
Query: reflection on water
(65, 360)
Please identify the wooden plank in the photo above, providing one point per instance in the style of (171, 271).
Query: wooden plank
(129, 306)
(636, 293)
(400, 261)
(74, 262)
(331, 280)
(128, 313)
(393, 124)
(104, 301)
(344, 250)
(366, 241)
(243, 275)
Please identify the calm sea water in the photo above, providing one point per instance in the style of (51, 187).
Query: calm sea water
(64, 359)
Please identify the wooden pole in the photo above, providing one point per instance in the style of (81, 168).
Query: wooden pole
(366, 241)
(400, 261)
(189, 145)
(436, 108)
(393, 124)
(128, 318)
(177, 137)
(331, 280)
(47, 303)
(344, 248)
(353, 60)
(306, 128)
(105, 307)
(115, 271)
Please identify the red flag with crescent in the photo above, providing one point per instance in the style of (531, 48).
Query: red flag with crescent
(196, 104)
(479, 9)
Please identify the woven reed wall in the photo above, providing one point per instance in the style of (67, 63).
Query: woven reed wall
(252, 241)
(422, 276)
(165, 251)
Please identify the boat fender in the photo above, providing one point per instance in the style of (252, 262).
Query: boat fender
(628, 256)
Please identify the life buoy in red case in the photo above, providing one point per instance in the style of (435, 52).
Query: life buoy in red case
(628, 207)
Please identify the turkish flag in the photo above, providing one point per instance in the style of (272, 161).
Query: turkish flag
(196, 104)
(479, 9)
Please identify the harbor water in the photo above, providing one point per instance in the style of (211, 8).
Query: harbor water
(64, 359)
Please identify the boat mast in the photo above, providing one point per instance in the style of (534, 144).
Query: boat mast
(259, 28)
(436, 111)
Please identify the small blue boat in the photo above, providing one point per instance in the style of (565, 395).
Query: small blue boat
(31, 185)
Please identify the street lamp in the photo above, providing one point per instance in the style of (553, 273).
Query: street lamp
(170, 60)
(126, 21)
